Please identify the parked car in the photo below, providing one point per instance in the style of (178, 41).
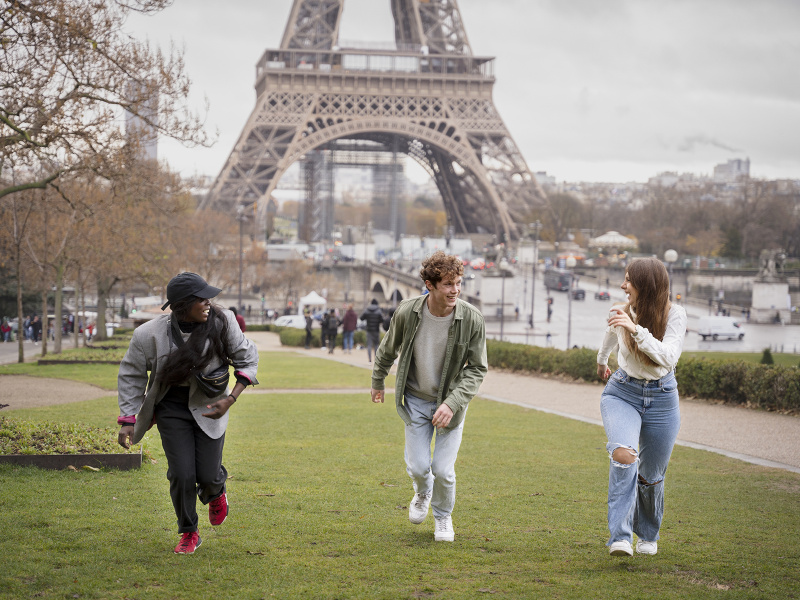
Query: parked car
(296, 321)
(602, 296)
(578, 294)
(720, 327)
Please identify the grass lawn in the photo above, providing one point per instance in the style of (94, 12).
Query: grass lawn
(277, 370)
(319, 500)
(784, 360)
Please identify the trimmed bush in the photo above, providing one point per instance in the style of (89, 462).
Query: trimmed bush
(291, 336)
(578, 363)
(766, 357)
(734, 382)
(262, 327)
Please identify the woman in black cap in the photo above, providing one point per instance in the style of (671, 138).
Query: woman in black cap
(185, 352)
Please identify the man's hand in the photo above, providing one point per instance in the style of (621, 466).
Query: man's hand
(219, 408)
(442, 416)
(125, 437)
(377, 395)
(603, 372)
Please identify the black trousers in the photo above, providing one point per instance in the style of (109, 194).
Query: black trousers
(194, 460)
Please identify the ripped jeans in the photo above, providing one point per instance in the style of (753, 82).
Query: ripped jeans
(644, 418)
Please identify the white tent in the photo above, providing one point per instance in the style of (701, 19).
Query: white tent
(313, 300)
(612, 240)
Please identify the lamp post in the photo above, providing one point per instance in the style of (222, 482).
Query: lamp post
(670, 256)
(570, 263)
(536, 227)
(503, 265)
(240, 216)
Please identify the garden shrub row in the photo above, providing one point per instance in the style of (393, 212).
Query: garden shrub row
(769, 387)
(733, 382)
(291, 336)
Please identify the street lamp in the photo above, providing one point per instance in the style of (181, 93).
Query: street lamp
(570, 263)
(536, 227)
(503, 265)
(241, 217)
(670, 256)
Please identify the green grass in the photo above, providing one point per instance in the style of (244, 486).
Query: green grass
(103, 376)
(784, 360)
(319, 500)
(277, 370)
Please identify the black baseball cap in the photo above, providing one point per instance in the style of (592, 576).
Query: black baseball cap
(188, 284)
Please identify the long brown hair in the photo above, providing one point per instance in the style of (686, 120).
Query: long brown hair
(650, 278)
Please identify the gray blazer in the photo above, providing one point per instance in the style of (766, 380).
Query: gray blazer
(138, 394)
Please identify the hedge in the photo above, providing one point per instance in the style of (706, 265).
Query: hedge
(291, 336)
(736, 382)
(733, 382)
(578, 363)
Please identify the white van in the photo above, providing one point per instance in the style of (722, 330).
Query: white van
(720, 327)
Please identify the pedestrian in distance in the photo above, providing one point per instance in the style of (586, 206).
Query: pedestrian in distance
(239, 319)
(323, 329)
(349, 324)
(373, 319)
(441, 341)
(175, 375)
(309, 323)
(639, 404)
(333, 330)
(5, 329)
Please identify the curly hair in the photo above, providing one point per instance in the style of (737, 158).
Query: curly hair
(439, 266)
(650, 278)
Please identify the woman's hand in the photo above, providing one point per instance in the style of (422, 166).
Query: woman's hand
(219, 408)
(603, 372)
(619, 318)
(125, 436)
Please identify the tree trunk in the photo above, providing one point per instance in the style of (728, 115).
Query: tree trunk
(20, 316)
(45, 320)
(104, 286)
(78, 309)
(57, 320)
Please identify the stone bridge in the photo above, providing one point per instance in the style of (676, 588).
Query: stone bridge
(383, 282)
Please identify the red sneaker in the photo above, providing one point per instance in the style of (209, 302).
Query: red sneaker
(190, 541)
(218, 509)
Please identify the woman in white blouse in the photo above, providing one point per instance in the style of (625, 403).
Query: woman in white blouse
(639, 404)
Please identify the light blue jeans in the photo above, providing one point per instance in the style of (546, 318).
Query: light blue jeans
(347, 340)
(436, 476)
(644, 417)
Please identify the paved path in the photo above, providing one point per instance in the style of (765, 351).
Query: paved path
(759, 437)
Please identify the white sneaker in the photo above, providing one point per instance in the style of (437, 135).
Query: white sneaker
(418, 508)
(621, 548)
(645, 547)
(444, 529)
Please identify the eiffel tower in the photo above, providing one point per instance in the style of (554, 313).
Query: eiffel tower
(429, 96)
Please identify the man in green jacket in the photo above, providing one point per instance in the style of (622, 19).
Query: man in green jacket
(442, 345)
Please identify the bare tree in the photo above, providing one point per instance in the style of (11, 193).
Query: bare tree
(67, 72)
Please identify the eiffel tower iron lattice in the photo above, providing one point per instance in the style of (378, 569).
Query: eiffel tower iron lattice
(430, 97)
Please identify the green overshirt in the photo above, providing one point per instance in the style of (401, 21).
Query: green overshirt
(465, 363)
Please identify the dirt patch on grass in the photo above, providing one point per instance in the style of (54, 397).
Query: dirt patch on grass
(20, 391)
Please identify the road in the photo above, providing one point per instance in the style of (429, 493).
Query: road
(589, 318)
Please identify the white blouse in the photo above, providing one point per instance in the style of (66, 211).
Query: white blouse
(664, 353)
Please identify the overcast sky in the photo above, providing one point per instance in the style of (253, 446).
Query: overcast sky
(591, 90)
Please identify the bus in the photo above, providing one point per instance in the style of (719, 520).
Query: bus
(556, 279)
